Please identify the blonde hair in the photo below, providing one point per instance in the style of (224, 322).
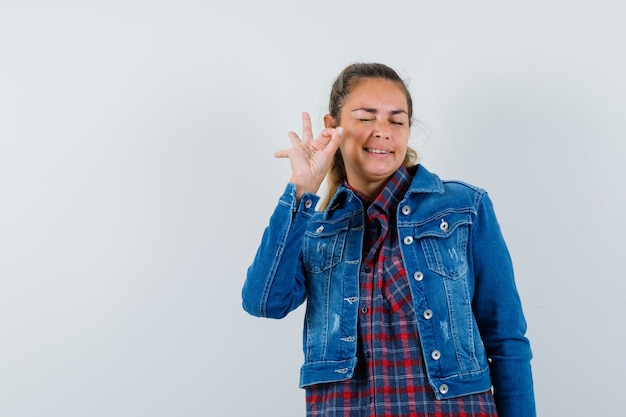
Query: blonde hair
(341, 89)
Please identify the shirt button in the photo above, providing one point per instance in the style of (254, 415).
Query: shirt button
(444, 225)
(367, 269)
(408, 240)
(406, 210)
(308, 203)
(364, 310)
(443, 389)
(435, 355)
(418, 276)
(428, 314)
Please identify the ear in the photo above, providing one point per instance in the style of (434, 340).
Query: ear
(329, 121)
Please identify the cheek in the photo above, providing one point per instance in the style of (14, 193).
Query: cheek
(351, 139)
(348, 145)
(403, 137)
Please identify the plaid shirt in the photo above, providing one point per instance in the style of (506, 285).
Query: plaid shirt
(390, 378)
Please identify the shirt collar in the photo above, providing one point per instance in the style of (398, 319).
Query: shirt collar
(387, 200)
(420, 181)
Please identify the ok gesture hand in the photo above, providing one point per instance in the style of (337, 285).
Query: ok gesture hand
(310, 158)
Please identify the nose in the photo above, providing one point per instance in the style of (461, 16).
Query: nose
(381, 130)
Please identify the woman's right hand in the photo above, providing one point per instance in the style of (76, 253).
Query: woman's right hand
(310, 158)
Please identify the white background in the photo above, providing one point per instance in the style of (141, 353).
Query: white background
(136, 177)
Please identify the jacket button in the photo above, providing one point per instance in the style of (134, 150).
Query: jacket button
(308, 203)
(443, 389)
(444, 225)
(435, 355)
(418, 276)
(428, 314)
(408, 240)
(319, 230)
(406, 210)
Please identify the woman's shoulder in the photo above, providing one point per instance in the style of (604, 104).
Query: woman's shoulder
(448, 194)
(462, 186)
(428, 181)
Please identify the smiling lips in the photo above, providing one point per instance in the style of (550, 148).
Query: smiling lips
(377, 151)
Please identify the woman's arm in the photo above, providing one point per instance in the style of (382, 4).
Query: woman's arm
(275, 284)
(498, 311)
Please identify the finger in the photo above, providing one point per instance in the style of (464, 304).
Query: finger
(335, 141)
(323, 139)
(307, 129)
(282, 154)
(295, 143)
(295, 139)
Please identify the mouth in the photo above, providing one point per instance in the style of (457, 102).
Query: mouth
(377, 151)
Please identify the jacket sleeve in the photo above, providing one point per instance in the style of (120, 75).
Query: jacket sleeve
(498, 311)
(275, 284)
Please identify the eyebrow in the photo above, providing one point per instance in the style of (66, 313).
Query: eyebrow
(371, 110)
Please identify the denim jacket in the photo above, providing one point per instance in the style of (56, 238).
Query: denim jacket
(471, 325)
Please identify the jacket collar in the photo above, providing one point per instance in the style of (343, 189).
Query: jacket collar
(423, 182)
(343, 199)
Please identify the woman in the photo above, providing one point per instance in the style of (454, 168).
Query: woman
(412, 308)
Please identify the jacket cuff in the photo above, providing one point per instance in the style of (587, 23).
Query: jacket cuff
(307, 202)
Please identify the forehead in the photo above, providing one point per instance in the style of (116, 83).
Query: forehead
(376, 93)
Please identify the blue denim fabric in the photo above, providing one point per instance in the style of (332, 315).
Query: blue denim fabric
(459, 268)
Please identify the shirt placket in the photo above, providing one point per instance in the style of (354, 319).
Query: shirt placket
(371, 306)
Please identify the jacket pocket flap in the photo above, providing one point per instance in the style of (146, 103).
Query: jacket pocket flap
(443, 224)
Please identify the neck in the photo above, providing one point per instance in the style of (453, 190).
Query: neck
(369, 189)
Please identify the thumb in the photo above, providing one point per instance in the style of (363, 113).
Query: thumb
(335, 141)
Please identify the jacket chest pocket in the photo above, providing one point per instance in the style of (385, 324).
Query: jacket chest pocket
(444, 243)
(323, 246)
